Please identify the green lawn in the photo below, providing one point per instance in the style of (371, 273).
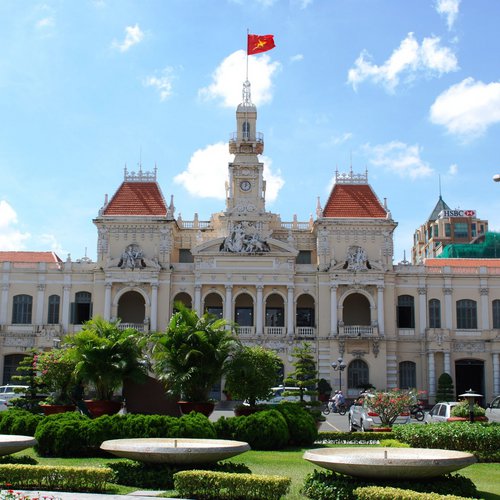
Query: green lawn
(290, 463)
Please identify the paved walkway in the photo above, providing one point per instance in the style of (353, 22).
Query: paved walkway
(136, 495)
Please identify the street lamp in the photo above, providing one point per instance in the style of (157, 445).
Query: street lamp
(470, 396)
(339, 366)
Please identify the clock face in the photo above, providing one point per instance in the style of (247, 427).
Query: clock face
(245, 185)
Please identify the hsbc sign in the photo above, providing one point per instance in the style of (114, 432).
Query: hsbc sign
(444, 214)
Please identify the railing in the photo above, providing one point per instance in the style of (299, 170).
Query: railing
(274, 330)
(305, 331)
(140, 327)
(356, 331)
(406, 332)
(246, 331)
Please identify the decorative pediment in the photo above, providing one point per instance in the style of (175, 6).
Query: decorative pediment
(217, 246)
(133, 257)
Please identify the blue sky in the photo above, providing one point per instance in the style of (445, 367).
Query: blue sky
(408, 89)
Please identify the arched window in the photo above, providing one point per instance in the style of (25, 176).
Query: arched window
(496, 314)
(407, 375)
(357, 374)
(406, 312)
(22, 306)
(53, 313)
(246, 130)
(466, 314)
(434, 313)
(10, 364)
(81, 308)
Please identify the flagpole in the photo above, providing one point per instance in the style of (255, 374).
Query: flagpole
(247, 55)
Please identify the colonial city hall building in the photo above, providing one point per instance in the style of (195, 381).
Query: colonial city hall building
(330, 281)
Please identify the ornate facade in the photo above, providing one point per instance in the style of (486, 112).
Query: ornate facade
(329, 281)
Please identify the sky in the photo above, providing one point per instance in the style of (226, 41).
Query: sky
(407, 90)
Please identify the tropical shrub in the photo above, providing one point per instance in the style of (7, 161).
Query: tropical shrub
(462, 410)
(445, 390)
(390, 404)
(264, 430)
(302, 427)
(17, 421)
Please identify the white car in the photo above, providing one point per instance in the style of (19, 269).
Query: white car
(362, 417)
(277, 396)
(440, 412)
(493, 410)
(8, 392)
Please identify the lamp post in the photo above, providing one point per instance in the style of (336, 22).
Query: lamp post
(339, 366)
(470, 396)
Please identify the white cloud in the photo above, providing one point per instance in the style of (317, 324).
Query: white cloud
(162, 83)
(297, 57)
(399, 158)
(227, 79)
(406, 61)
(11, 238)
(448, 9)
(453, 169)
(45, 23)
(335, 140)
(468, 108)
(206, 173)
(133, 35)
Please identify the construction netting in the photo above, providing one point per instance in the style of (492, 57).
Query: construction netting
(487, 248)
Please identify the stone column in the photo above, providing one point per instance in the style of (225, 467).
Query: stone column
(154, 307)
(380, 310)
(447, 362)
(290, 320)
(422, 310)
(333, 310)
(448, 314)
(65, 307)
(432, 374)
(3, 304)
(40, 299)
(259, 307)
(485, 320)
(107, 301)
(496, 373)
(197, 299)
(228, 306)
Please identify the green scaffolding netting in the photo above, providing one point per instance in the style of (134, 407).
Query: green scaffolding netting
(487, 248)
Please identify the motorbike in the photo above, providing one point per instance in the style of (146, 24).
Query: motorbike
(341, 408)
(417, 411)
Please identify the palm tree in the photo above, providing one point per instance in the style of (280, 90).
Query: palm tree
(191, 356)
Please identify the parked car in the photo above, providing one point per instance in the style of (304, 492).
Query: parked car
(11, 391)
(277, 396)
(440, 412)
(493, 410)
(362, 417)
(3, 405)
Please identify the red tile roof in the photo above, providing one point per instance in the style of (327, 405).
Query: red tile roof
(462, 262)
(49, 257)
(137, 198)
(353, 201)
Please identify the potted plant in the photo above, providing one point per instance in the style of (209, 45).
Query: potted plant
(55, 370)
(461, 412)
(251, 372)
(191, 356)
(389, 405)
(105, 356)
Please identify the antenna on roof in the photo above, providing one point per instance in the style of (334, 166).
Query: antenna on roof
(439, 185)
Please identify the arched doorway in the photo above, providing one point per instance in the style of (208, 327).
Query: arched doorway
(243, 313)
(469, 374)
(213, 305)
(275, 315)
(132, 308)
(356, 310)
(185, 298)
(305, 322)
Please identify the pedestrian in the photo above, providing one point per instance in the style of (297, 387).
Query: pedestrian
(77, 397)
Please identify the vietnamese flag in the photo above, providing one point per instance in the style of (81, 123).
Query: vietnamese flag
(260, 43)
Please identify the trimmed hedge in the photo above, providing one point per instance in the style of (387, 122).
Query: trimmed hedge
(334, 437)
(389, 493)
(207, 485)
(56, 478)
(17, 421)
(478, 438)
(329, 485)
(301, 424)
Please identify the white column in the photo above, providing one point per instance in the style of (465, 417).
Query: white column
(496, 373)
(40, 299)
(65, 307)
(259, 307)
(422, 322)
(447, 363)
(432, 374)
(290, 321)
(333, 310)
(154, 307)
(107, 301)
(197, 299)
(3, 304)
(380, 310)
(448, 315)
(485, 321)
(228, 310)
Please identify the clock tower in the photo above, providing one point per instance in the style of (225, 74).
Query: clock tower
(245, 191)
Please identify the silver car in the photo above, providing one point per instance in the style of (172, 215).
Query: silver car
(493, 410)
(440, 412)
